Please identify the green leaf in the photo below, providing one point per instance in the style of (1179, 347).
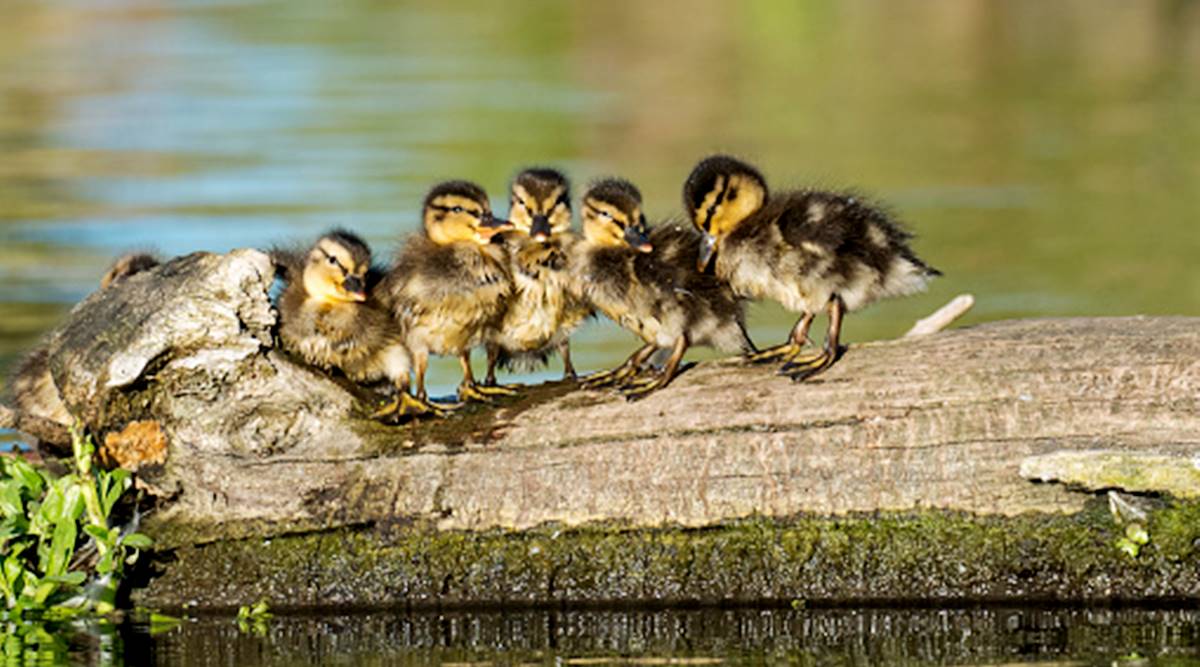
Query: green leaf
(98, 533)
(62, 547)
(11, 503)
(115, 485)
(73, 503)
(106, 564)
(13, 569)
(43, 591)
(20, 470)
(137, 541)
(72, 578)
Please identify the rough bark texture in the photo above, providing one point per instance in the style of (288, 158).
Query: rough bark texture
(260, 446)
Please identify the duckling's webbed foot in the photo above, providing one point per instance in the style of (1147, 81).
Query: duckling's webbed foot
(497, 389)
(642, 388)
(470, 391)
(408, 406)
(802, 368)
(788, 351)
(619, 376)
(784, 352)
(639, 388)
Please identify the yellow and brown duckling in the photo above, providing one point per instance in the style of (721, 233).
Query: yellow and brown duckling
(328, 319)
(810, 250)
(32, 390)
(656, 294)
(542, 311)
(449, 286)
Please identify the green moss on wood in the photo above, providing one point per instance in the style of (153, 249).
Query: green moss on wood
(926, 555)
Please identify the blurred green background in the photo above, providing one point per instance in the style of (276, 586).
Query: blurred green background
(1047, 154)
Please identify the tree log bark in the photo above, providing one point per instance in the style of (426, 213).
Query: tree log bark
(261, 446)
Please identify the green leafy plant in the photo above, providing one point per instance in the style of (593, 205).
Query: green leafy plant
(61, 555)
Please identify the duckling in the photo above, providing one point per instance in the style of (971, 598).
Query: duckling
(127, 265)
(32, 389)
(809, 250)
(542, 312)
(449, 286)
(654, 293)
(327, 318)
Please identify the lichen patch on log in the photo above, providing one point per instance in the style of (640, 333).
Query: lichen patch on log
(1136, 472)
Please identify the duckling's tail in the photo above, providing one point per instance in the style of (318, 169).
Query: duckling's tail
(524, 362)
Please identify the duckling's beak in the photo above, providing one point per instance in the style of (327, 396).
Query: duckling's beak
(491, 225)
(354, 288)
(636, 237)
(540, 230)
(708, 248)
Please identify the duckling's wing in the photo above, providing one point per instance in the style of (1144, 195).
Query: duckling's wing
(288, 261)
(677, 244)
(427, 276)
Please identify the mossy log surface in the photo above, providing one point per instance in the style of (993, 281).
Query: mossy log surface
(893, 475)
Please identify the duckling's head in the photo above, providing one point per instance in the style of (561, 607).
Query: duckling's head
(540, 204)
(719, 195)
(612, 215)
(127, 265)
(336, 268)
(459, 211)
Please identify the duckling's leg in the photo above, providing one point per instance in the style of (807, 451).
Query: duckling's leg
(800, 369)
(469, 390)
(396, 361)
(420, 364)
(642, 388)
(489, 383)
(788, 350)
(493, 357)
(623, 373)
(564, 351)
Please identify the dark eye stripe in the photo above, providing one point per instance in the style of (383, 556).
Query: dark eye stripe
(334, 260)
(447, 209)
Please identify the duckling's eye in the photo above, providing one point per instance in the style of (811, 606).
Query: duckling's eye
(456, 209)
(332, 261)
(606, 215)
(731, 195)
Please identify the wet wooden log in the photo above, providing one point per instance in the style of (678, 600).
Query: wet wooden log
(261, 446)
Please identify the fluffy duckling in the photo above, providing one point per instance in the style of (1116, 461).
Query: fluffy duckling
(127, 265)
(809, 250)
(32, 389)
(542, 312)
(328, 320)
(653, 292)
(449, 286)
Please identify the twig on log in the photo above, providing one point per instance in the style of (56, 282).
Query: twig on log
(942, 317)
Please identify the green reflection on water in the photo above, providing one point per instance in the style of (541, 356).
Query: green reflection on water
(1046, 153)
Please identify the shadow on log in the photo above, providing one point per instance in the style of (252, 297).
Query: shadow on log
(916, 433)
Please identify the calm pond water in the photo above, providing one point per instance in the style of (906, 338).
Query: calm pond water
(978, 636)
(1047, 155)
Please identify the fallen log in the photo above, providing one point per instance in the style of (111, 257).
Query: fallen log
(896, 474)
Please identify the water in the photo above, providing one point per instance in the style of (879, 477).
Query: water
(1047, 155)
(960, 636)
